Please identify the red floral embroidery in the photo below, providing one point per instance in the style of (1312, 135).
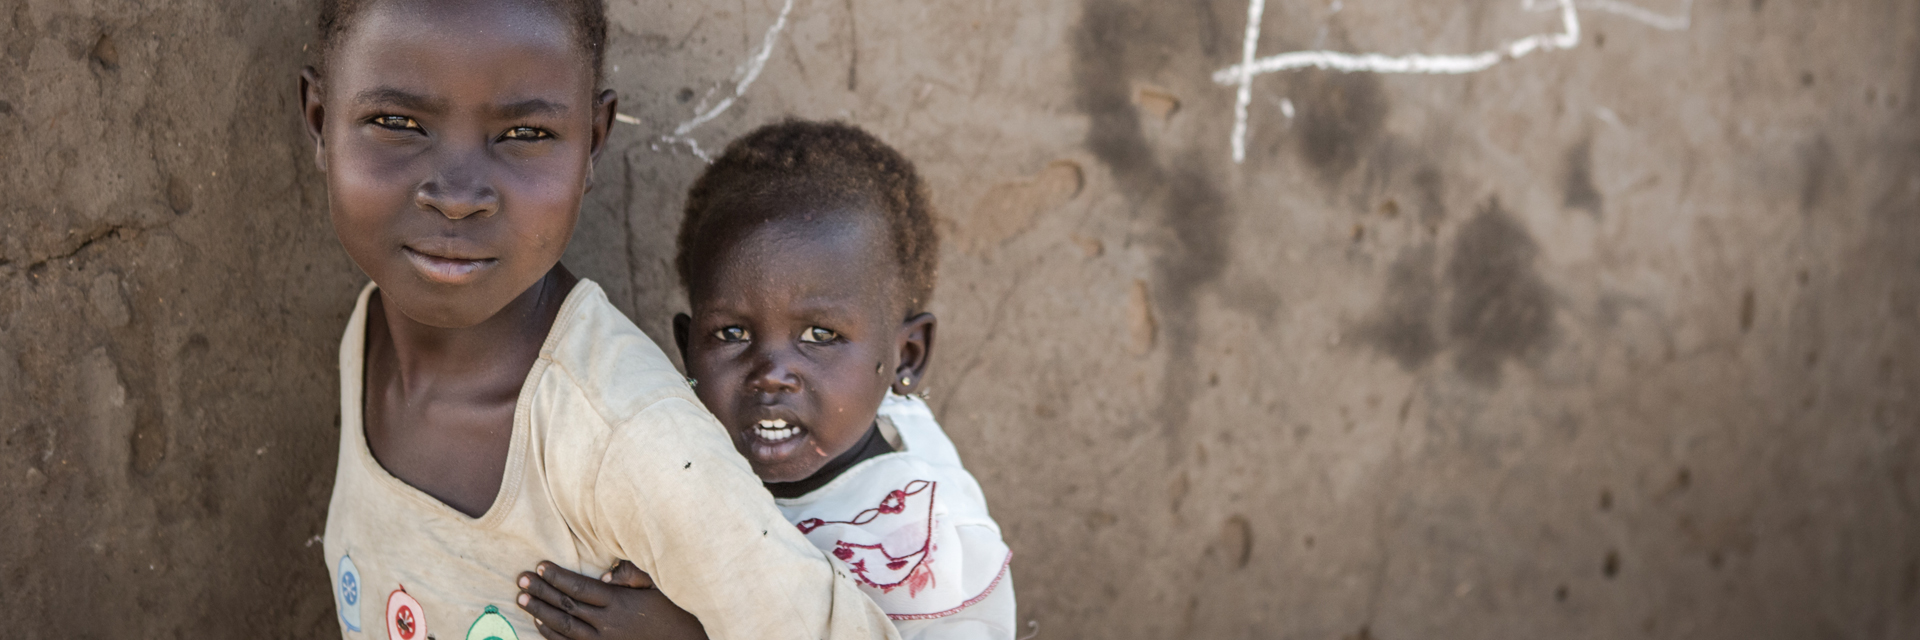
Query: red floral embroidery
(917, 579)
(970, 601)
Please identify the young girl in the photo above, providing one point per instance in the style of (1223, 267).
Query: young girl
(808, 254)
(496, 410)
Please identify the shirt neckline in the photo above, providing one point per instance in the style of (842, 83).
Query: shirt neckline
(353, 412)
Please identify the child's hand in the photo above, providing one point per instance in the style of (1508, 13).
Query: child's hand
(621, 604)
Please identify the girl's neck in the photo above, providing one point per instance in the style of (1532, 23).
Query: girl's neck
(508, 341)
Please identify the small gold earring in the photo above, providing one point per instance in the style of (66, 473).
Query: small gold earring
(906, 381)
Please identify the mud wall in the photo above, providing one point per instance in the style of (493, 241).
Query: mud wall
(1612, 338)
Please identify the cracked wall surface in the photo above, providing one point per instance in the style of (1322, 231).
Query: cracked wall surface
(1617, 340)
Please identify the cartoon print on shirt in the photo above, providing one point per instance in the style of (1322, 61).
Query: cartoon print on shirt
(491, 626)
(346, 593)
(405, 619)
(909, 519)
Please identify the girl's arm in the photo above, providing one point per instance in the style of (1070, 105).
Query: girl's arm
(672, 495)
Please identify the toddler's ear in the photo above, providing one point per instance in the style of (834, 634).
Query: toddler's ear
(682, 325)
(313, 113)
(916, 349)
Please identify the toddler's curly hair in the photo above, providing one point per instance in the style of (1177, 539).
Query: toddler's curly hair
(822, 164)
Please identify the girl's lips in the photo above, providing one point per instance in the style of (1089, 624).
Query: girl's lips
(446, 270)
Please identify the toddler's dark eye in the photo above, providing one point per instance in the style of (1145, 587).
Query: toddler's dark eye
(396, 122)
(526, 133)
(732, 334)
(818, 335)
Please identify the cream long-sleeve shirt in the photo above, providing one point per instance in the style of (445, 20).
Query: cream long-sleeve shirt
(612, 457)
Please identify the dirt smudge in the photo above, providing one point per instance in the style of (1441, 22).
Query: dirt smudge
(1403, 326)
(1115, 45)
(1578, 187)
(1011, 208)
(1500, 308)
(1340, 116)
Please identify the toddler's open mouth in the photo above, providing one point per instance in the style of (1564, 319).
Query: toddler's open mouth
(775, 431)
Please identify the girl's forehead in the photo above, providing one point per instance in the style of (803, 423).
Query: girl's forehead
(413, 36)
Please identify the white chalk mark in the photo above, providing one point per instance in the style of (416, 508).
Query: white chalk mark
(1635, 12)
(621, 117)
(1413, 63)
(1286, 108)
(744, 75)
(1244, 76)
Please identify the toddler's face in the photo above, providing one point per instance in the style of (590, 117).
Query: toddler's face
(457, 142)
(793, 338)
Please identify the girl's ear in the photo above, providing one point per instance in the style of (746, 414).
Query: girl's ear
(604, 108)
(314, 114)
(916, 349)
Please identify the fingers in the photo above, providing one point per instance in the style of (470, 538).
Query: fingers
(546, 631)
(566, 614)
(627, 575)
(554, 623)
(661, 618)
(573, 585)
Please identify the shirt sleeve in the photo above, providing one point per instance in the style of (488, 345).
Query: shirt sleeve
(993, 617)
(673, 496)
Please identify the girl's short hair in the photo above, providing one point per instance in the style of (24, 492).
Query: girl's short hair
(820, 163)
(587, 17)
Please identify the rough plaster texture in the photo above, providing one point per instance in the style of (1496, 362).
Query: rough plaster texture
(1617, 341)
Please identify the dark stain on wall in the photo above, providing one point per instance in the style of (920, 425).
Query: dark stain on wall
(1578, 184)
(1816, 161)
(1340, 117)
(1432, 197)
(1746, 311)
(1500, 308)
(1403, 326)
(1115, 45)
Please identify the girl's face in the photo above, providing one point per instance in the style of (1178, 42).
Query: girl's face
(457, 139)
(795, 337)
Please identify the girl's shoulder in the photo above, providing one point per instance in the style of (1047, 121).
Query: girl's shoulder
(606, 361)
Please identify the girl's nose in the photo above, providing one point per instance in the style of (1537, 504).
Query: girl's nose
(458, 194)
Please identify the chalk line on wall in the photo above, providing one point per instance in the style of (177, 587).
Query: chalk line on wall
(743, 77)
(1243, 74)
(1640, 14)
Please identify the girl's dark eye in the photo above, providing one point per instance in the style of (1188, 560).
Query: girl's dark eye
(818, 335)
(732, 334)
(396, 122)
(526, 133)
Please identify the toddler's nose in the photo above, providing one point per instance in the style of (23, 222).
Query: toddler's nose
(772, 375)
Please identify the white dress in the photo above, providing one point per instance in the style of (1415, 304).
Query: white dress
(912, 529)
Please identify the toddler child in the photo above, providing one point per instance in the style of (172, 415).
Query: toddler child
(808, 253)
(496, 410)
